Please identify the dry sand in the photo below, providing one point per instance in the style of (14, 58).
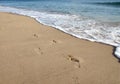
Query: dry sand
(31, 53)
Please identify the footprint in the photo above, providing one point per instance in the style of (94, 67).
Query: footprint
(35, 35)
(54, 41)
(74, 60)
(38, 51)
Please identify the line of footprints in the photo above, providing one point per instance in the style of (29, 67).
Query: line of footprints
(69, 57)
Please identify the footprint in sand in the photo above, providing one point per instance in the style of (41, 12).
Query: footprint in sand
(54, 41)
(38, 51)
(35, 35)
(76, 61)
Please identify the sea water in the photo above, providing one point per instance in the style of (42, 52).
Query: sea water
(93, 20)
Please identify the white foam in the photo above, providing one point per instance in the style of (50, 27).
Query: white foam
(77, 26)
(117, 52)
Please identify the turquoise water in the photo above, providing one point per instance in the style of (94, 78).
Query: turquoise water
(96, 20)
(105, 10)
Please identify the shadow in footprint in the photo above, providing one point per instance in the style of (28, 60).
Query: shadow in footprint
(38, 51)
(35, 35)
(54, 41)
(74, 60)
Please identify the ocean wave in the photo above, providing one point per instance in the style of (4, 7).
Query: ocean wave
(115, 4)
(78, 26)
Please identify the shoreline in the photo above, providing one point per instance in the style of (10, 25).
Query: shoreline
(62, 31)
(91, 37)
(34, 53)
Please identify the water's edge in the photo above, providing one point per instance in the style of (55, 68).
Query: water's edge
(117, 47)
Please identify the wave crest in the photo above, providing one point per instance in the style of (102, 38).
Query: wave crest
(115, 4)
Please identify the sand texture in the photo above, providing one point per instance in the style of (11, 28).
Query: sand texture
(31, 53)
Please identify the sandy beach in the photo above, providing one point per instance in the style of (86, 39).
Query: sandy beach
(31, 53)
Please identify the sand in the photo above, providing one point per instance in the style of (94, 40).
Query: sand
(31, 53)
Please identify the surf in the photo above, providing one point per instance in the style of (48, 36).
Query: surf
(76, 25)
